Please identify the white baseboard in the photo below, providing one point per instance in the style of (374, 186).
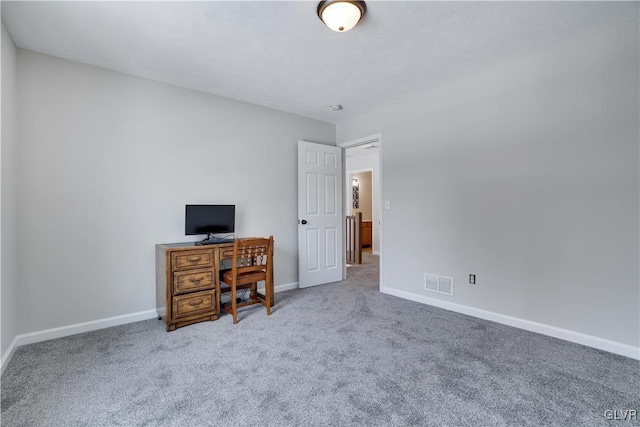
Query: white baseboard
(79, 328)
(282, 288)
(564, 334)
(6, 357)
(285, 287)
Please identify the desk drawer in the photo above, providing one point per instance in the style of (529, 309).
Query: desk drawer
(195, 303)
(192, 280)
(191, 259)
(226, 252)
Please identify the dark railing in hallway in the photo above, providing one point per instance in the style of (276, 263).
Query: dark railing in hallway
(354, 236)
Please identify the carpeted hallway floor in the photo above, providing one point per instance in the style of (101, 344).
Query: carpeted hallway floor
(340, 354)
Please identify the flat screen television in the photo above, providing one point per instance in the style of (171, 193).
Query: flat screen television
(209, 219)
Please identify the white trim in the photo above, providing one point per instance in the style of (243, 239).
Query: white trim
(563, 334)
(361, 141)
(94, 325)
(285, 287)
(6, 357)
(79, 328)
(376, 253)
(281, 288)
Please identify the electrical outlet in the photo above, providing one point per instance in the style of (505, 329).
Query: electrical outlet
(472, 279)
(387, 204)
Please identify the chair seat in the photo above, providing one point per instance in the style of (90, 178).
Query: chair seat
(227, 288)
(244, 278)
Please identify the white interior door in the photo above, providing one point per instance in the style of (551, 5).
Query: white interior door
(320, 219)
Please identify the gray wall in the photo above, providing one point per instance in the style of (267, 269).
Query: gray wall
(108, 162)
(8, 173)
(528, 176)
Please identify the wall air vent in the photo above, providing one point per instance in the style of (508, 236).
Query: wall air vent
(439, 284)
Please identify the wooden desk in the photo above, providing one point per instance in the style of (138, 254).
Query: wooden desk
(188, 282)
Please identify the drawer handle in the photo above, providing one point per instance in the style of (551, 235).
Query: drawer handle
(194, 280)
(194, 259)
(195, 303)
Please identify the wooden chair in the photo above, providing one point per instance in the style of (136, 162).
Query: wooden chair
(252, 263)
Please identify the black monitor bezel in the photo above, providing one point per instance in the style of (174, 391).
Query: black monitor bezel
(194, 232)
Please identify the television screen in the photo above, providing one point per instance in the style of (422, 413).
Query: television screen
(205, 219)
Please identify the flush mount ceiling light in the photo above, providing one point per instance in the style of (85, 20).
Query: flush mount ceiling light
(341, 15)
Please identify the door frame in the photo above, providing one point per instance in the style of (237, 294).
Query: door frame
(371, 139)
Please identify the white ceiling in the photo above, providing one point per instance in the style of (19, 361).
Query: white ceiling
(280, 55)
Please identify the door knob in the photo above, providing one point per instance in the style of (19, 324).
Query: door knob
(304, 221)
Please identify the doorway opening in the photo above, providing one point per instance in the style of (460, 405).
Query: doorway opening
(363, 195)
